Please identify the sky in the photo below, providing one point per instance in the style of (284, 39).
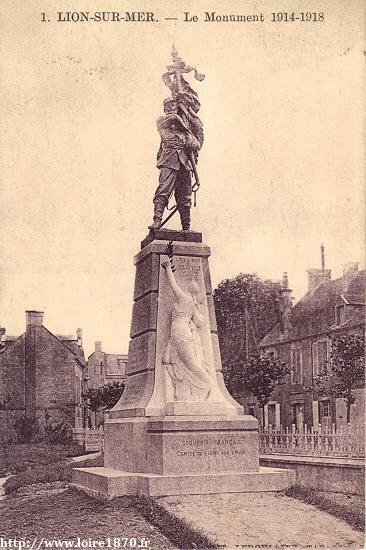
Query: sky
(281, 167)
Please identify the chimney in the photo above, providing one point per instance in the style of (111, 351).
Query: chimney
(79, 336)
(285, 305)
(350, 270)
(34, 321)
(322, 256)
(318, 276)
(34, 318)
(98, 346)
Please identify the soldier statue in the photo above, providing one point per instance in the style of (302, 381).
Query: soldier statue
(181, 136)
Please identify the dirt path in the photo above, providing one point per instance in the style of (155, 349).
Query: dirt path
(240, 520)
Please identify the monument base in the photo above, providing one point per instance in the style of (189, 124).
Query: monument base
(176, 429)
(178, 455)
(107, 483)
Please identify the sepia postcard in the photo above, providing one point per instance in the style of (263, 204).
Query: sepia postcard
(267, 100)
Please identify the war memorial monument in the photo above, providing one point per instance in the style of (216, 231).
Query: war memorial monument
(176, 429)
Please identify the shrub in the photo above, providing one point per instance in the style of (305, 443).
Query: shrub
(26, 428)
(58, 433)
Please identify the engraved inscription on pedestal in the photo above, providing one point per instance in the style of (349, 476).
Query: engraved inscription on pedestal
(189, 269)
(206, 452)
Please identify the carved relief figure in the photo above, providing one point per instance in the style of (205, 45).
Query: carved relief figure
(183, 355)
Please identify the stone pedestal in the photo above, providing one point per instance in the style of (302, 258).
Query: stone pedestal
(157, 442)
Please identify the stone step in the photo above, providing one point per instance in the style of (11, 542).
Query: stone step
(106, 483)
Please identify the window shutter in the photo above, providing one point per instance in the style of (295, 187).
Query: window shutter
(278, 415)
(301, 370)
(315, 414)
(314, 348)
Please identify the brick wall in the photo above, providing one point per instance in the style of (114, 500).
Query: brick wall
(39, 376)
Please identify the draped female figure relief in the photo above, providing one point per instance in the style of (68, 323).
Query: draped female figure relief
(183, 357)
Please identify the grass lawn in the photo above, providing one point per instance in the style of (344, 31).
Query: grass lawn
(53, 464)
(40, 504)
(21, 457)
(54, 511)
(57, 512)
(350, 508)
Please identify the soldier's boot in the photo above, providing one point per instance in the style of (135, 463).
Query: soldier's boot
(158, 214)
(185, 217)
(156, 223)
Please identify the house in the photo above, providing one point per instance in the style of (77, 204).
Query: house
(302, 338)
(105, 368)
(42, 375)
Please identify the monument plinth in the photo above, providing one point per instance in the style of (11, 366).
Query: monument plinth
(176, 429)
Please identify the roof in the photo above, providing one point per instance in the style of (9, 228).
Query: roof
(314, 313)
(69, 341)
(73, 346)
(8, 341)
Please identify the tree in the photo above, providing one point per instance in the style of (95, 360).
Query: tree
(260, 376)
(346, 370)
(246, 310)
(104, 397)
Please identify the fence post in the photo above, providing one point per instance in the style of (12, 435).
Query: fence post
(305, 438)
(326, 439)
(282, 438)
(293, 429)
(333, 441)
(312, 439)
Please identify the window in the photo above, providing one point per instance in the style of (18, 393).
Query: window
(78, 390)
(296, 366)
(320, 357)
(325, 413)
(252, 410)
(326, 408)
(121, 366)
(272, 414)
(297, 414)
